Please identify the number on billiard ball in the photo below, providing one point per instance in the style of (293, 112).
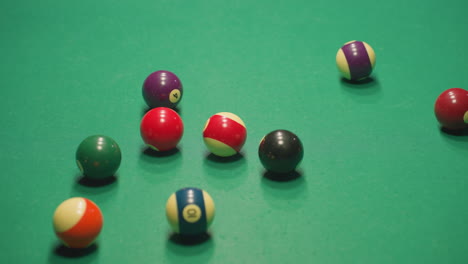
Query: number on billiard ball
(224, 134)
(161, 128)
(355, 60)
(280, 151)
(190, 211)
(162, 89)
(451, 109)
(98, 157)
(77, 222)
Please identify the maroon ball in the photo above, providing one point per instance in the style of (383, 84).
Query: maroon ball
(451, 109)
(162, 89)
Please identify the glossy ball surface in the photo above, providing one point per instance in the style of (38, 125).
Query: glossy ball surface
(355, 60)
(280, 151)
(451, 109)
(224, 134)
(98, 157)
(161, 128)
(162, 89)
(77, 222)
(190, 211)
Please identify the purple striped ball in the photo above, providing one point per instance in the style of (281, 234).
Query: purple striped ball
(355, 60)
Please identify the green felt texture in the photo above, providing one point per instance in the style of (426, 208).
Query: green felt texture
(380, 182)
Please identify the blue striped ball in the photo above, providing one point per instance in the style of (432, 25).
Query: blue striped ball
(190, 211)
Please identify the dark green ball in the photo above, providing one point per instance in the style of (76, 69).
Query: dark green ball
(98, 157)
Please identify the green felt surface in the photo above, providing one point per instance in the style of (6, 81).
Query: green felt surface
(380, 182)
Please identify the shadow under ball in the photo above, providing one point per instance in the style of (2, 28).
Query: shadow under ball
(280, 151)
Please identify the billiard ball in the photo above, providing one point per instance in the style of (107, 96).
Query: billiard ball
(355, 60)
(162, 89)
(161, 128)
(224, 134)
(190, 211)
(451, 109)
(98, 157)
(77, 222)
(280, 151)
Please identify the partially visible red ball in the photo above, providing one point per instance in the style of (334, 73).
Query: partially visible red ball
(451, 109)
(161, 128)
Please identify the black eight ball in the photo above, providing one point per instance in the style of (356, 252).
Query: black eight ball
(280, 151)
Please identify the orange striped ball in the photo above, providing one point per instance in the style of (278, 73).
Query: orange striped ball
(77, 222)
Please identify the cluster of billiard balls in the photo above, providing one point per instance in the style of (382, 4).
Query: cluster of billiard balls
(190, 211)
(78, 221)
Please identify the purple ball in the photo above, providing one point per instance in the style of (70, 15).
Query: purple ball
(162, 89)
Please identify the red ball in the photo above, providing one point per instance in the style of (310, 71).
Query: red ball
(77, 222)
(224, 134)
(161, 128)
(451, 109)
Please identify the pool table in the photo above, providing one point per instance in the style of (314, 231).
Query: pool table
(380, 182)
